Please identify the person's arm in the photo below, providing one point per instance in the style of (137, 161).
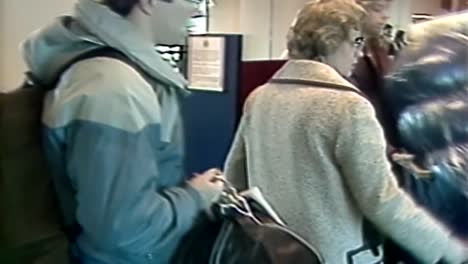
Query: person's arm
(360, 152)
(235, 168)
(120, 204)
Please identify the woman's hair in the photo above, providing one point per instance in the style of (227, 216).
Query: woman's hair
(121, 7)
(321, 27)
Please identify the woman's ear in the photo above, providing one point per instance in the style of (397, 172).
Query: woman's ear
(146, 6)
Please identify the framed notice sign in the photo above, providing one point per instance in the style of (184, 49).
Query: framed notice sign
(206, 62)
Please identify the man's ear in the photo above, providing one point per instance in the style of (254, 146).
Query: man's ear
(146, 6)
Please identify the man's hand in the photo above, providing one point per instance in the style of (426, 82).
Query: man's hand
(208, 185)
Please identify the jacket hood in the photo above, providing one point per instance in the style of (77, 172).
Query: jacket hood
(93, 25)
(51, 48)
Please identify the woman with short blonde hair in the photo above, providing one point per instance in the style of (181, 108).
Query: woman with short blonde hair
(320, 29)
(313, 145)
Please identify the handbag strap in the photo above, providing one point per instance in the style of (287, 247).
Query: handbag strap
(31, 80)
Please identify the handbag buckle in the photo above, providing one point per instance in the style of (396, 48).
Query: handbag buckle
(232, 200)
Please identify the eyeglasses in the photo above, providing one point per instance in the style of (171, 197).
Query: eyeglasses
(358, 42)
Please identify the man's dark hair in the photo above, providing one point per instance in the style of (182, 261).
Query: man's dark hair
(121, 7)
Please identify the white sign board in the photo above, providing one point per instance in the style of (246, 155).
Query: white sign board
(206, 63)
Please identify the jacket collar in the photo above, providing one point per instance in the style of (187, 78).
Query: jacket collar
(114, 31)
(311, 71)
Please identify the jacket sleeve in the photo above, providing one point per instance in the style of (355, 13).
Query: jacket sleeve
(113, 158)
(360, 152)
(235, 168)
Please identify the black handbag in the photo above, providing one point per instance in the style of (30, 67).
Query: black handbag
(243, 230)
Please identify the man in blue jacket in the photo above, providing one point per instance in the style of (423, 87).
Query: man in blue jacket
(113, 134)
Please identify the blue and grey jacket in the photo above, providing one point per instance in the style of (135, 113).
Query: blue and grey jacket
(113, 138)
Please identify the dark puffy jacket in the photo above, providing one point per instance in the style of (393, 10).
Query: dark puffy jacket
(428, 96)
